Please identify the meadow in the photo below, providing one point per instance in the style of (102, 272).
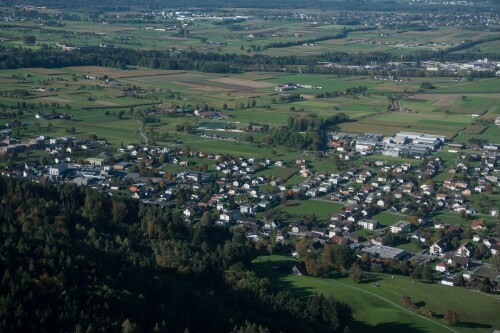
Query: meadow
(376, 301)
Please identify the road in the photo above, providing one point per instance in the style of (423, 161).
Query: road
(141, 127)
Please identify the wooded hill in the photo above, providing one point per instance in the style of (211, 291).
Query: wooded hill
(74, 260)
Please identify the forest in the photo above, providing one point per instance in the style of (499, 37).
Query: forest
(207, 62)
(75, 260)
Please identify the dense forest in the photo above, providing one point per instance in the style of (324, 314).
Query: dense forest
(75, 260)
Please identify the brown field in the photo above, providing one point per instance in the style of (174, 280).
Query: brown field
(177, 76)
(492, 114)
(393, 86)
(475, 129)
(200, 87)
(55, 99)
(175, 38)
(118, 73)
(442, 100)
(45, 71)
(242, 82)
(106, 103)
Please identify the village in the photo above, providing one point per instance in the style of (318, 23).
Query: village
(233, 194)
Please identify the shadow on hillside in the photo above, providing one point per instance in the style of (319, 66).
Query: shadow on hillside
(370, 279)
(420, 304)
(389, 327)
(474, 325)
(277, 271)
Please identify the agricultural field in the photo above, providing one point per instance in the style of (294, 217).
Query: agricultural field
(376, 302)
(110, 102)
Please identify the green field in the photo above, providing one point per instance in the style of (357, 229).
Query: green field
(376, 303)
(323, 210)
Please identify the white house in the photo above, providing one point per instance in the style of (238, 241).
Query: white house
(465, 250)
(401, 227)
(441, 267)
(368, 224)
(447, 280)
(438, 247)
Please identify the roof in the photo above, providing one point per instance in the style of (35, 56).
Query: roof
(385, 252)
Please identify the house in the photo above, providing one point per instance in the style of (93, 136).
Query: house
(477, 238)
(299, 269)
(121, 165)
(339, 240)
(438, 247)
(58, 169)
(448, 280)
(465, 250)
(318, 231)
(456, 261)
(368, 224)
(230, 216)
(188, 212)
(441, 267)
(281, 236)
(300, 229)
(246, 220)
(495, 249)
(247, 209)
(478, 225)
(401, 227)
(489, 242)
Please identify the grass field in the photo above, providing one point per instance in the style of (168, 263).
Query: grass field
(387, 219)
(375, 302)
(323, 210)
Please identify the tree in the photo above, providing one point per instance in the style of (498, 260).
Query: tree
(206, 218)
(451, 317)
(427, 312)
(427, 273)
(495, 260)
(129, 327)
(249, 138)
(29, 40)
(406, 301)
(356, 273)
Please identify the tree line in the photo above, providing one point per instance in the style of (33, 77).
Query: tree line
(206, 62)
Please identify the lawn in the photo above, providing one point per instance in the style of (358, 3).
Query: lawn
(387, 219)
(281, 172)
(322, 209)
(375, 303)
